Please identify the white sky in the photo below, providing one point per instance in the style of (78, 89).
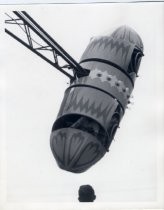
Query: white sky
(32, 91)
(66, 1)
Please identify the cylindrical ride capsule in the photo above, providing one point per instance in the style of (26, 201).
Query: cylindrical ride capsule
(93, 105)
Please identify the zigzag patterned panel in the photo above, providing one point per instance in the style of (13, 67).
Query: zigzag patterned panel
(90, 102)
(75, 150)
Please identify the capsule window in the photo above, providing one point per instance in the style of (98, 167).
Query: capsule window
(114, 123)
(135, 62)
(82, 123)
(65, 121)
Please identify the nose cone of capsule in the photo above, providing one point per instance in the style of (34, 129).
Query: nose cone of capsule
(128, 34)
(75, 150)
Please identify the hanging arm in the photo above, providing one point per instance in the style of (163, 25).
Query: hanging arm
(27, 24)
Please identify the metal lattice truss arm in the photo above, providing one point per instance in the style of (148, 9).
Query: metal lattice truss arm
(28, 25)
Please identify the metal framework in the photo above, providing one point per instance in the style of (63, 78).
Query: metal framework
(28, 24)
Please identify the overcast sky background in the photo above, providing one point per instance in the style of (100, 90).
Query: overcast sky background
(67, 1)
(32, 92)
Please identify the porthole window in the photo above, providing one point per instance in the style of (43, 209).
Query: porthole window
(135, 61)
(114, 123)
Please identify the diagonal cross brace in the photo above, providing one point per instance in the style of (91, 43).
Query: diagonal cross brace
(52, 45)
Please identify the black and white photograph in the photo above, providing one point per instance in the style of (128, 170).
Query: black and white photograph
(82, 106)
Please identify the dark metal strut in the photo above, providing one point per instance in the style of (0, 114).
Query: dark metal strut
(51, 45)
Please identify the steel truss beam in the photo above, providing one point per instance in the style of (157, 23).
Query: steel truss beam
(26, 23)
